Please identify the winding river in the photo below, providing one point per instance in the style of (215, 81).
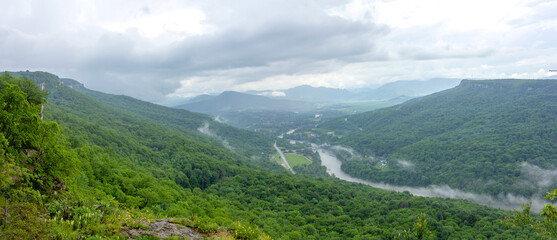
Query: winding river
(503, 201)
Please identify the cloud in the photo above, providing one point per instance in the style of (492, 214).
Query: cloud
(132, 55)
(538, 177)
(219, 120)
(207, 131)
(273, 94)
(406, 165)
(182, 48)
(281, 43)
(346, 149)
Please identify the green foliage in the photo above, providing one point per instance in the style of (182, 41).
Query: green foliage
(32, 158)
(23, 222)
(552, 194)
(84, 218)
(33, 94)
(133, 168)
(544, 227)
(420, 227)
(243, 231)
(474, 137)
(244, 143)
(203, 224)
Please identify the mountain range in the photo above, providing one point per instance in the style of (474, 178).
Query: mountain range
(276, 111)
(118, 163)
(235, 101)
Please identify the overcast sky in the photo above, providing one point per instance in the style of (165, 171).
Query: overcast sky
(153, 50)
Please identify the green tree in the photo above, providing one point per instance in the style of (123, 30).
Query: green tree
(545, 227)
(33, 157)
(420, 226)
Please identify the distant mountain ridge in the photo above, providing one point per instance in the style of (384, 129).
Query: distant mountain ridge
(136, 161)
(317, 94)
(235, 101)
(408, 88)
(131, 154)
(397, 89)
(307, 98)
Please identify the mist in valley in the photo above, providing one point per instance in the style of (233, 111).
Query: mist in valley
(508, 201)
(205, 130)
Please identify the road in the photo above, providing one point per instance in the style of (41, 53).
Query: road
(283, 158)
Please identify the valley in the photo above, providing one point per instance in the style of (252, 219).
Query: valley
(132, 161)
(509, 201)
(286, 120)
(422, 140)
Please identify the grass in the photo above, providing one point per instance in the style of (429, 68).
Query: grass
(296, 160)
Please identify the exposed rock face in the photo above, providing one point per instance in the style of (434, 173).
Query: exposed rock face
(163, 228)
(59, 185)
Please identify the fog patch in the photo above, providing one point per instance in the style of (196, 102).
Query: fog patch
(219, 120)
(205, 130)
(541, 178)
(273, 94)
(507, 201)
(226, 144)
(341, 148)
(406, 165)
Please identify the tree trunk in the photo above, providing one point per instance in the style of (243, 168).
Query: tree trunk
(5, 212)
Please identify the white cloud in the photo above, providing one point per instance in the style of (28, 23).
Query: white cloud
(451, 15)
(406, 165)
(273, 94)
(182, 22)
(357, 10)
(182, 48)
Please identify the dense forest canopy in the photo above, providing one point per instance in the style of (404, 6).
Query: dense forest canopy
(100, 169)
(493, 136)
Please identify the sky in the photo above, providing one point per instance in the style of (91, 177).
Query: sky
(159, 50)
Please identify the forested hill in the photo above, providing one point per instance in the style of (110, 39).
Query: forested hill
(492, 136)
(252, 145)
(109, 170)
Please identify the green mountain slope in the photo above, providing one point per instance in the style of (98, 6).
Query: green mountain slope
(246, 143)
(235, 101)
(482, 136)
(127, 168)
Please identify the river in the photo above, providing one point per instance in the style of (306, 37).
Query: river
(503, 201)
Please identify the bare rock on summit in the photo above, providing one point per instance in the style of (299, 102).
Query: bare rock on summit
(163, 228)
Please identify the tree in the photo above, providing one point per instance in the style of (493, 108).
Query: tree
(546, 227)
(420, 227)
(33, 156)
